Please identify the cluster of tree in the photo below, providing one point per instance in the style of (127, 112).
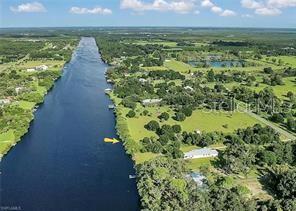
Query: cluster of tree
(242, 152)
(258, 135)
(231, 43)
(273, 80)
(111, 47)
(167, 142)
(13, 50)
(162, 185)
(166, 74)
(202, 139)
(237, 76)
(282, 181)
(132, 87)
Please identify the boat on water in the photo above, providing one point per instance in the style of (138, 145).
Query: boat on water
(111, 106)
(111, 140)
(132, 176)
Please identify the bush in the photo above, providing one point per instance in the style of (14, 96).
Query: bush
(165, 116)
(152, 125)
(180, 116)
(177, 128)
(131, 114)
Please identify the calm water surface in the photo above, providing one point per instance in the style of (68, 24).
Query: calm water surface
(63, 163)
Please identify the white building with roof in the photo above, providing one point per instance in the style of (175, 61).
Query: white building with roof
(41, 67)
(201, 153)
(148, 102)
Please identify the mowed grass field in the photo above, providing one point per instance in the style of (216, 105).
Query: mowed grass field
(156, 42)
(186, 68)
(202, 120)
(6, 139)
(280, 90)
(179, 66)
(49, 63)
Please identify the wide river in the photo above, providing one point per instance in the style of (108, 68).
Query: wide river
(62, 163)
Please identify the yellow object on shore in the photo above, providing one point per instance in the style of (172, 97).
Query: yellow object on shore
(111, 140)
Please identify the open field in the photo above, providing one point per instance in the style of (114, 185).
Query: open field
(179, 66)
(202, 120)
(156, 42)
(196, 164)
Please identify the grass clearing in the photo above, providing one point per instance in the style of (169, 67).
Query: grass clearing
(204, 120)
(26, 105)
(196, 164)
(179, 66)
(251, 181)
(7, 137)
(142, 157)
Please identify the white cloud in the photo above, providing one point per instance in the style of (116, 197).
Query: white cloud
(29, 7)
(216, 9)
(95, 10)
(178, 6)
(251, 4)
(281, 3)
(207, 3)
(227, 13)
(268, 7)
(268, 11)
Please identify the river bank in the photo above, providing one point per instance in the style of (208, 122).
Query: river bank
(34, 107)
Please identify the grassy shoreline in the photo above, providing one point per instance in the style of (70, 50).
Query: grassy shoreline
(5, 150)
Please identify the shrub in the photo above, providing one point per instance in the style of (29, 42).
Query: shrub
(131, 114)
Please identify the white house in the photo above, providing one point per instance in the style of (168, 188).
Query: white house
(38, 68)
(41, 67)
(148, 102)
(201, 153)
(142, 80)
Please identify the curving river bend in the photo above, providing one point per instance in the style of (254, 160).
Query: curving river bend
(63, 163)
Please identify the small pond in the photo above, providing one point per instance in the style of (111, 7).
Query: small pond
(225, 63)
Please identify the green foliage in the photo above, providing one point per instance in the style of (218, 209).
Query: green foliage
(131, 114)
(180, 116)
(165, 116)
(152, 125)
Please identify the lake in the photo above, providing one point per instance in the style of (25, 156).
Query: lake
(62, 163)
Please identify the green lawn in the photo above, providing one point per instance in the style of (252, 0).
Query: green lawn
(26, 105)
(195, 164)
(280, 90)
(7, 137)
(142, 157)
(49, 63)
(204, 120)
(156, 42)
(179, 66)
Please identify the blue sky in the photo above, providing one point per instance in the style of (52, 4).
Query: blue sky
(213, 13)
